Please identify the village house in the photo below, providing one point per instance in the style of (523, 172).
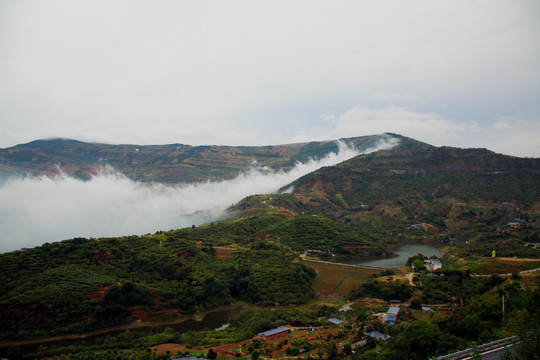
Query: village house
(335, 321)
(513, 224)
(418, 227)
(274, 333)
(392, 315)
(377, 335)
(433, 264)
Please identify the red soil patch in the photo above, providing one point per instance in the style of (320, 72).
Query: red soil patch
(358, 247)
(317, 187)
(222, 350)
(284, 212)
(380, 207)
(186, 254)
(166, 311)
(98, 295)
(101, 256)
(138, 313)
(171, 348)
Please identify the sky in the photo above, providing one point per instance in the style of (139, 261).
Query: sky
(461, 73)
(35, 210)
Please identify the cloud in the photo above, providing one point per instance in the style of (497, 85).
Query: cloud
(508, 135)
(35, 210)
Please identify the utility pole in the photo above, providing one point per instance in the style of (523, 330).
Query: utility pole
(503, 306)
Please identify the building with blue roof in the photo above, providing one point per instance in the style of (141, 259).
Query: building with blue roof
(392, 315)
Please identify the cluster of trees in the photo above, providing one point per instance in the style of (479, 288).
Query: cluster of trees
(84, 284)
(387, 291)
(299, 232)
(266, 275)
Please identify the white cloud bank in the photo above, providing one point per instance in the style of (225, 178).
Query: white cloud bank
(507, 135)
(38, 210)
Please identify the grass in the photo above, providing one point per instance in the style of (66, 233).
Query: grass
(507, 265)
(488, 266)
(338, 279)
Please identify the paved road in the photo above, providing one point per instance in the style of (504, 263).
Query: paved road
(497, 353)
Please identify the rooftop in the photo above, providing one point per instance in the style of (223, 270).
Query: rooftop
(394, 310)
(377, 335)
(335, 321)
(274, 331)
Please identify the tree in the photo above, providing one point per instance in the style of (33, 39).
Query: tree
(420, 340)
(418, 264)
(415, 304)
(529, 335)
(255, 355)
(211, 354)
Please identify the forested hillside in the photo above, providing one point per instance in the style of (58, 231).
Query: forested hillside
(84, 284)
(427, 193)
(173, 163)
(266, 255)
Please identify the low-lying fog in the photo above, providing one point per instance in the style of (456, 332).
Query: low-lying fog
(35, 210)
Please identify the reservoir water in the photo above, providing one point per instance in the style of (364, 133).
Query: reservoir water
(217, 320)
(398, 259)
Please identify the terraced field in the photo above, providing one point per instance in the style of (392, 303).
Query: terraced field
(335, 279)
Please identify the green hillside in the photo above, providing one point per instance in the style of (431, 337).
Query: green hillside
(84, 284)
(448, 193)
(261, 256)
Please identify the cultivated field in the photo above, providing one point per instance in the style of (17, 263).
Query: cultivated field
(338, 279)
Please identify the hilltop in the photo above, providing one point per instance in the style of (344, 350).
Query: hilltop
(172, 163)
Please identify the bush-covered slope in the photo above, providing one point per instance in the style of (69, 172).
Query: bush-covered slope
(417, 193)
(296, 231)
(410, 177)
(84, 284)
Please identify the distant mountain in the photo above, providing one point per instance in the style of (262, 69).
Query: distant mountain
(173, 163)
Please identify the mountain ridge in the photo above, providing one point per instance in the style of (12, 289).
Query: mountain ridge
(169, 163)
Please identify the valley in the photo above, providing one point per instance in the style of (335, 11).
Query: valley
(273, 256)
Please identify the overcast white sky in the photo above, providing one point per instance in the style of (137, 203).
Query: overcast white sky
(461, 73)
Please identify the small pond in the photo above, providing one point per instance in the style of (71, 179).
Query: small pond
(399, 258)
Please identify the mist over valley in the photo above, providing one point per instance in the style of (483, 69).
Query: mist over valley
(39, 209)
